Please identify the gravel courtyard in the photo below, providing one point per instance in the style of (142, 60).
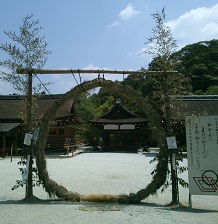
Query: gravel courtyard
(100, 173)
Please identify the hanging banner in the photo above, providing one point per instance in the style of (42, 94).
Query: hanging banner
(202, 152)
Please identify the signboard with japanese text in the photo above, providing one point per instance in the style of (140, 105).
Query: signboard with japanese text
(202, 152)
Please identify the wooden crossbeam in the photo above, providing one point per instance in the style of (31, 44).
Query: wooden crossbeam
(87, 71)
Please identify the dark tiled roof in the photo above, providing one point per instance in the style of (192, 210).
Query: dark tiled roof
(182, 106)
(10, 106)
(119, 115)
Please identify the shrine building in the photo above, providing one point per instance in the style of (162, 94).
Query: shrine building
(119, 128)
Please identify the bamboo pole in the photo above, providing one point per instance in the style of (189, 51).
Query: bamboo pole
(87, 71)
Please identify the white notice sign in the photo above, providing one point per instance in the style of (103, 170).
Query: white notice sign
(171, 142)
(28, 139)
(202, 152)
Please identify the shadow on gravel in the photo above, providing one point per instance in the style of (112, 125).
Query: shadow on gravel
(86, 206)
(188, 209)
(179, 208)
(41, 202)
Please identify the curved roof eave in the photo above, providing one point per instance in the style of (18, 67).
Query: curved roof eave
(119, 121)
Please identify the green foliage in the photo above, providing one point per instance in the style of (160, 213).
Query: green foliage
(212, 90)
(86, 106)
(105, 107)
(199, 92)
(180, 169)
(164, 83)
(26, 50)
(161, 44)
(20, 183)
(137, 82)
(199, 63)
(105, 93)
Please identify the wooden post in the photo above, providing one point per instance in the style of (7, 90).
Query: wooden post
(29, 187)
(4, 145)
(12, 152)
(189, 201)
(175, 199)
(29, 102)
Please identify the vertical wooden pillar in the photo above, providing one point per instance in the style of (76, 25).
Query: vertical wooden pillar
(175, 194)
(29, 188)
(4, 145)
(4, 140)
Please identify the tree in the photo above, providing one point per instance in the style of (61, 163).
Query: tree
(86, 106)
(199, 64)
(212, 90)
(26, 50)
(105, 107)
(161, 45)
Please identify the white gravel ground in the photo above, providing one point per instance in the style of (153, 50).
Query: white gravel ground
(107, 173)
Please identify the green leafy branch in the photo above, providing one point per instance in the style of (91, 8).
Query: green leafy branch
(20, 183)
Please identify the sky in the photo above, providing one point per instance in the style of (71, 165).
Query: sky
(101, 34)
